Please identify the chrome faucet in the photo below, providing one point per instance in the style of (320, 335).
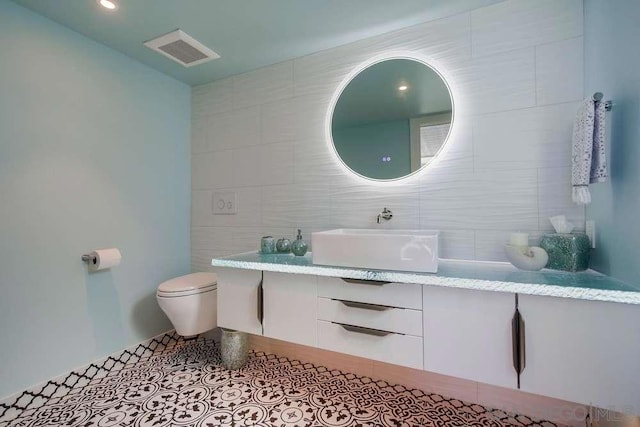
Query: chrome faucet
(386, 214)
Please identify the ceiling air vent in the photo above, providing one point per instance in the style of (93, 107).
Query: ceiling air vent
(182, 48)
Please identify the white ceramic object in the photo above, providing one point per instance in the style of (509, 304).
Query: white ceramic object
(190, 302)
(401, 250)
(519, 239)
(531, 258)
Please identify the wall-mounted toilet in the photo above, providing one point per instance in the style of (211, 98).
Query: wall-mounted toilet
(190, 302)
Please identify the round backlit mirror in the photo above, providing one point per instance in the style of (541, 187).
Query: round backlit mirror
(392, 119)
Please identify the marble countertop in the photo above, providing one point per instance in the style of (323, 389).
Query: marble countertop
(488, 276)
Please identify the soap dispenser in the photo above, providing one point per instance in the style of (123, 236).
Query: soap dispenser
(299, 247)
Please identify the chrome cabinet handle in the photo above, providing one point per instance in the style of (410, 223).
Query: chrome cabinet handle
(373, 307)
(518, 344)
(365, 331)
(365, 282)
(260, 303)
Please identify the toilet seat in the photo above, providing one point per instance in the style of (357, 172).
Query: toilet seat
(190, 284)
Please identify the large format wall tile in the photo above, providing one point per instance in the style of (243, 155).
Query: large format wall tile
(515, 24)
(554, 198)
(209, 242)
(528, 138)
(501, 82)
(356, 204)
(457, 244)
(279, 121)
(560, 71)
(263, 85)
(263, 165)
(238, 128)
(296, 206)
(212, 98)
(212, 170)
(515, 72)
(505, 200)
(445, 42)
(198, 133)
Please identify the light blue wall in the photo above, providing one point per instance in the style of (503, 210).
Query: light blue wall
(612, 39)
(94, 152)
(362, 148)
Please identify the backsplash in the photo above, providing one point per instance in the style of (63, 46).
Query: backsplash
(516, 72)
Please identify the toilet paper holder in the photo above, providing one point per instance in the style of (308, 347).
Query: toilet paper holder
(102, 259)
(87, 258)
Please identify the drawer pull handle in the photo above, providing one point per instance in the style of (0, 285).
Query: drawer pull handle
(373, 307)
(518, 340)
(365, 282)
(260, 303)
(366, 331)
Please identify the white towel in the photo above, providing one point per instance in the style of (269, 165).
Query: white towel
(588, 151)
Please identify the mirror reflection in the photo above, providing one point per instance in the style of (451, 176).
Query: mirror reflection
(392, 119)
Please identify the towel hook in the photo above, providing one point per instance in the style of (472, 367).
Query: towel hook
(597, 97)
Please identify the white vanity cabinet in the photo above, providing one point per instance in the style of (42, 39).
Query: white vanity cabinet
(468, 334)
(582, 351)
(290, 302)
(377, 320)
(577, 350)
(240, 300)
(276, 305)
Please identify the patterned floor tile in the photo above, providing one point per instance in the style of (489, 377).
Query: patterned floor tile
(172, 382)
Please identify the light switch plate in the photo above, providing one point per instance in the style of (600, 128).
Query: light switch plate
(224, 203)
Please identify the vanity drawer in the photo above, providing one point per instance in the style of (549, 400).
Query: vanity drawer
(401, 320)
(390, 294)
(405, 350)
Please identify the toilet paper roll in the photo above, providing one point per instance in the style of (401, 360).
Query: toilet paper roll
(102, 259)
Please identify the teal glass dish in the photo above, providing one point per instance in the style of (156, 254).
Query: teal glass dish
(567, 252)
(267, 245)
(283, 246)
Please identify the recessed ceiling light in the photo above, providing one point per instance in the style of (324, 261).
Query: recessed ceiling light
(108, 4)
(403, 88)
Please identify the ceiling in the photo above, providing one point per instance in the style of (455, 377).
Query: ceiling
(248, 34)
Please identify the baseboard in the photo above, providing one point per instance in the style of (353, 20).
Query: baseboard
(508, 400)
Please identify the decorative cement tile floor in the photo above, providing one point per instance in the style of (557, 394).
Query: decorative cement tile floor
(172, 382)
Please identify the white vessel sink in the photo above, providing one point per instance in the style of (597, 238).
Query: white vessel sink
(402, 250)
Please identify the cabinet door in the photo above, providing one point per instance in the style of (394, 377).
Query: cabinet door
(582, 351)
(467, 334)
(239, 300)
(290, 307)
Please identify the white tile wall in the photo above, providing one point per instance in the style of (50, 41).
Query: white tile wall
(516, 24)
(559, 73)
(516, 72)
(505, 81)
(264, 85)
(528, 138)
(212, 98)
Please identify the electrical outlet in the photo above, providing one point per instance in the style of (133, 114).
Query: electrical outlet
(224, 203)
(590, 229)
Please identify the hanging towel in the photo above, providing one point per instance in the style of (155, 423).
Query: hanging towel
(588, 150)
(599, 159)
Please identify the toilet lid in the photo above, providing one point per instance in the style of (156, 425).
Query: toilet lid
(191, 282)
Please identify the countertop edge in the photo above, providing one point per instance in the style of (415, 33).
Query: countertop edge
(590, 294)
